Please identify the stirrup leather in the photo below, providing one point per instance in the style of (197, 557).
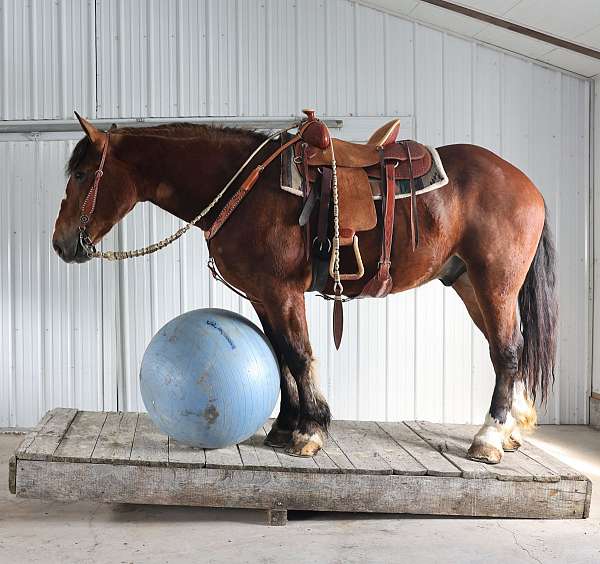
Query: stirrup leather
(360, 269)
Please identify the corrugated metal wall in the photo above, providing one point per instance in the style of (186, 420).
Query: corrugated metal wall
(74, 335)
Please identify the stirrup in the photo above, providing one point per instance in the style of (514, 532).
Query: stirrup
(360, 269)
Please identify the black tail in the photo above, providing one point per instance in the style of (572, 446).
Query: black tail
(538, 307)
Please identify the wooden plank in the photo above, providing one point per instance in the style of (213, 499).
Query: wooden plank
(325, 463)
(48, 437)
(79, 441)
(226, 457)
(257, 455)
(389, 493)
(453, 450)
(355, 438)
(336, 454)
(26, 442)
(514, 465)
(116, 438)
(185, 455)
(434, 463)
(387, 448)
(267, 457)
(548, 461)
(150, 446)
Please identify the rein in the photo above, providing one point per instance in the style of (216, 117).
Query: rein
(89, 204)
(311, 129)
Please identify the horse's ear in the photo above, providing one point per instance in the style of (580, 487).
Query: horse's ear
(94, 134)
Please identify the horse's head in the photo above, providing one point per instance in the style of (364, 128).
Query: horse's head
(115, 197)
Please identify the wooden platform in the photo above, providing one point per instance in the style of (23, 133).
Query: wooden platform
(409, 467)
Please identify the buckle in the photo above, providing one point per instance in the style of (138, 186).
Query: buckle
(319, 247)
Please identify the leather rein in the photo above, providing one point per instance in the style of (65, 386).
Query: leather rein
(89, 203)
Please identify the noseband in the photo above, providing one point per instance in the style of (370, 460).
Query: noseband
(89, 205)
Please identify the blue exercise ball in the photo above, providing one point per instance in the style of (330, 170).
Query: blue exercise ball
(209, 378)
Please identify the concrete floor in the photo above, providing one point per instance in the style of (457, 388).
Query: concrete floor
(34, 531)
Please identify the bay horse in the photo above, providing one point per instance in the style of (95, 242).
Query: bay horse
(489, 216)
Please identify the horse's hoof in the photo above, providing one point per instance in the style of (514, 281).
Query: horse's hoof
(278, 438)
(482, 452)
(511, 444)
(304, 445)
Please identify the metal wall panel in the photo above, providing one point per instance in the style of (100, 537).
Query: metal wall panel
(47, 59)
(52, 322)
(413, 355)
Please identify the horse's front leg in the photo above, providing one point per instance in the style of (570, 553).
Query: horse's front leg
(280, 434)
(287, 319)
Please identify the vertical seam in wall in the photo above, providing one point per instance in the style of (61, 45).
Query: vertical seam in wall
(328, 52)
(34, 59)
(474, 48)
(415, 291)
(444, 128)
(385, 64)
(3, 63)
(121, 354)
(40, 290)
(268, 86)
(179, 59)
(95, 72)
(356, 42)
(590, 254)
(208, 55)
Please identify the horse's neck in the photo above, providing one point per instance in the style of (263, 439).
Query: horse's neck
(182, 176)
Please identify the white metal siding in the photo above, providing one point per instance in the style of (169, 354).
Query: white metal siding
(595, 220)
(74, 335)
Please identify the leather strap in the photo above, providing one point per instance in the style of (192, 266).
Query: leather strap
(323, 220)
(414, 216)
(248, 184)
(381, 284)
(89, 204)
(305, 193)
(245, 188)
(321, 249)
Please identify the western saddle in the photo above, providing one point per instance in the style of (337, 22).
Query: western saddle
(382, 159)
(337, 176)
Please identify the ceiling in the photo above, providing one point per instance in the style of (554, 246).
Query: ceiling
(577, 21)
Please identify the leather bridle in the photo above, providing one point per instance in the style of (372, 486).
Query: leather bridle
(89, 205)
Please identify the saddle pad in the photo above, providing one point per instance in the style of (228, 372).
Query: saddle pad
(291, 180)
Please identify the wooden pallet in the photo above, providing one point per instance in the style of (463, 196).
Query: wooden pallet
(410, 467)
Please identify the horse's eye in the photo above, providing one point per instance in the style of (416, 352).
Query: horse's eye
(79, 175)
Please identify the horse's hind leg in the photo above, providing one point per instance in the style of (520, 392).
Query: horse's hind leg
(495, 313)
(281, 431)
(287, 318)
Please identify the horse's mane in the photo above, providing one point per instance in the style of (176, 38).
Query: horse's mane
(179, 130)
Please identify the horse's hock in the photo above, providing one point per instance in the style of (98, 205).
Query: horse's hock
(407, 467)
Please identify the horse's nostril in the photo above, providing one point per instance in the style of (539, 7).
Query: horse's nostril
(57, 248)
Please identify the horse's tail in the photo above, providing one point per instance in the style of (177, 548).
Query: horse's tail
(538, 307)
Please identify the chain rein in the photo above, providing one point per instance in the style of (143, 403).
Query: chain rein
(86, 242)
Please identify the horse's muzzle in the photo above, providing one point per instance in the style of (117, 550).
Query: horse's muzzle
(70, 250)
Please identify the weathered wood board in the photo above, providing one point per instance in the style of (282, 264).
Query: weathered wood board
(407, 467)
